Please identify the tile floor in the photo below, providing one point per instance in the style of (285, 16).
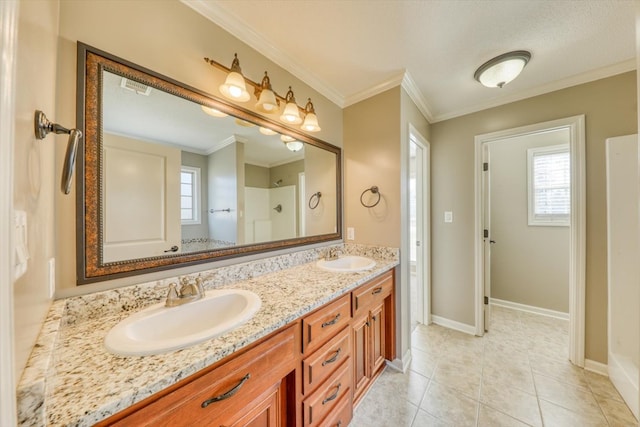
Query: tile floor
(516, 375)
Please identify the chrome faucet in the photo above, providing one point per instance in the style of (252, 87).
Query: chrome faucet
(188, 292)
(332, 253)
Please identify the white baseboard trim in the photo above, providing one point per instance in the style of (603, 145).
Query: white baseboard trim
(530, 309)
(596, 367)
(452, 324)
(402, 364)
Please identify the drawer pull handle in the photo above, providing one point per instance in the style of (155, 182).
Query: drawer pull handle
(376, 291)
(331, 322)
(334, 395)
(228, 394)
(332, 359)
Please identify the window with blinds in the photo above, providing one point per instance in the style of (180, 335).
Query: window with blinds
(549, 171)
(189, 195)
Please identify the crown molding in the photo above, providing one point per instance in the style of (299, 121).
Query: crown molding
(242, 31)
(391, 82)
(578, 79)
(410, 86)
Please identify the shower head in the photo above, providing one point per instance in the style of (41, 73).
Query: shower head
(277, 183)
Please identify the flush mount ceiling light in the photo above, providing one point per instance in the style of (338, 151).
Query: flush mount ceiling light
(291, 114)
(310, 119)
(267, 102)
(234, 86)
(502, 69)
(291, 143)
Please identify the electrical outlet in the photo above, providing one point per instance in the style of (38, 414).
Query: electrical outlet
(52, 277)
(351, 233)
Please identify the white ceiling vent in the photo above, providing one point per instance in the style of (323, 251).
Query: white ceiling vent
(139, 88)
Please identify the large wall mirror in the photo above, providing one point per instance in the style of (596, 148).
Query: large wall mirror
(170, 176)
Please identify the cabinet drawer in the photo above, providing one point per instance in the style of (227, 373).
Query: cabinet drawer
(324, 399)
(372, 293)
(325, 360)
(341, 415)
(227, 389)
(321, 325)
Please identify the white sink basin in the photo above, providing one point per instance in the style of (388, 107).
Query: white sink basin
(159, 329)
(347, 264)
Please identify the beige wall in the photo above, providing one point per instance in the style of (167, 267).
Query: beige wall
(320, 175)
(610, 107)
(170, 38)
(376, 139)
(372, 157)
(529, 264)
(198, 230)
(256, 176)
(35, 179)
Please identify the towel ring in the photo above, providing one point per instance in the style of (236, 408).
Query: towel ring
(315, 196)
(374, 190)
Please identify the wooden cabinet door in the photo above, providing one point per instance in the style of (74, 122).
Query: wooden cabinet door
(360, 330)
(377, 322)
(264, 412)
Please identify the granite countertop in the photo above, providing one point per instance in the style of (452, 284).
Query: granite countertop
(71, 379)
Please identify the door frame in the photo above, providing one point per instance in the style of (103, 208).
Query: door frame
(9, 11)
(425, 237)
(577, 246)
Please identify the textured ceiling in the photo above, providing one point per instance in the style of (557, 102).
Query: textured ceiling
(350, 50)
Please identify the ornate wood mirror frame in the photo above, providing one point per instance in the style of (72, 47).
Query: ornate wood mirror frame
(89, 186)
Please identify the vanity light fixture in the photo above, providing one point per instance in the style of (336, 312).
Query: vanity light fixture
(213, 112)
(291, 115)
(267, 131)
(267, 102)
(502, 69)
(244, 123)
(234, 86)
(310, 119)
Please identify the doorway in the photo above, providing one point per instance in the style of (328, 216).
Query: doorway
(419, 225)
(576, 220)
(526, 195)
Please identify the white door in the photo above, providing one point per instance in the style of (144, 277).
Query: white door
(418, 230)
(141, 199)
(486, 221)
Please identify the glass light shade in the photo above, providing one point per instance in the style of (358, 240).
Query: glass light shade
(294, 145)
(267, 102)
(243, 123)
(267, 131)
(235, 88)
(310, 123)
(291, 114)
(287, 138)
(213, 112)
(502, 69)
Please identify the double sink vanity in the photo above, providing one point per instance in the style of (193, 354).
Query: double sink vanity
(304, 357)
(292, 339)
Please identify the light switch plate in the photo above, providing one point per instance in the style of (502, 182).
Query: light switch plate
(448, 216)
(21, 255)
(351, 233)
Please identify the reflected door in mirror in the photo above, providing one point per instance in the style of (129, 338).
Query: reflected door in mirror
(142, 198)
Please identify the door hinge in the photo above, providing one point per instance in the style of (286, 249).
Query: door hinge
(486, 300)
(485, 166)
(486, 233)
